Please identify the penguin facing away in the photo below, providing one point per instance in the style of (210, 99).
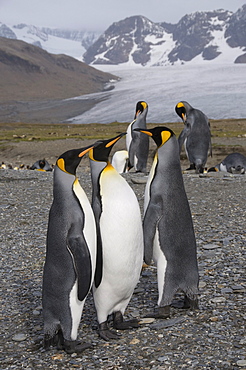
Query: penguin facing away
(120, 240)
(70, 256)
(137, 144)
(169, 237)
(195, 136)
(233, 163)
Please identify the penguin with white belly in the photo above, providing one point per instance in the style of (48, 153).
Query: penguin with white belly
(195, 136)
(137, 144)
(120, 240)
(169, 237)
(70, 256)
(233, 163)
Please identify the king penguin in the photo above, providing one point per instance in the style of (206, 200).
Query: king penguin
(195, 136)
(233, 163)
(169, 237)
(41, 165)
(120, 240)
(137, 144)
(120, 161)
(70, 256)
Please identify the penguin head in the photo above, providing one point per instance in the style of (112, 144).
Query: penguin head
(102, 148)
(69, 161)
(213, 169)
(181, 110)
(159, 134)
(41, 163)
(140, 107)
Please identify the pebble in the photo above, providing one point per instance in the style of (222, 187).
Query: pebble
(19, 337)
(241, 363)
(211, 246)
(167, 323)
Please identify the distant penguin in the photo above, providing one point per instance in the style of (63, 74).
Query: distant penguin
(120, 161)
(233, 163)
(169, 237)
(137, 144)
(41, 165)
(70, 256)
(120, 240)
(195, 136)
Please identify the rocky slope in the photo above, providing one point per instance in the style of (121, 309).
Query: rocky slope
(29, 73)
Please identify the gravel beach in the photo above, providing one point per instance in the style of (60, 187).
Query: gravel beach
(213, 337)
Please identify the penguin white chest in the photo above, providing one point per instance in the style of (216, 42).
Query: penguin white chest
(120, 226)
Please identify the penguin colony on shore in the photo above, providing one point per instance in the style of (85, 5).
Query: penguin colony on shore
(101, 246)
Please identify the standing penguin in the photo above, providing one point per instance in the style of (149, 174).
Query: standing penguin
(195, 136)
(137, 144)
(168, 229)
(120, 161)
(120, 240)
(70, 256)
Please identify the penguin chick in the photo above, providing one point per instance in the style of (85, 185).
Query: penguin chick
(169, 237)
(137, 144)
(120, 240)
(195, 136)
(233, 163)
(70, 256)
(120, 160)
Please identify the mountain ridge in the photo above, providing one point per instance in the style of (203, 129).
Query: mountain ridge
(30, 73)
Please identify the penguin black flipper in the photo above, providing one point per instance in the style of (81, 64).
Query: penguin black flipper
(97, 209)
(183, 135)
(82, 263)
(151, 219)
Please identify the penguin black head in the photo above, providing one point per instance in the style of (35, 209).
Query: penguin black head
(140, 107)
(41, 163)
(213, 169)
(159, 134)
(102, 148)
(69, 161)
(181, 110)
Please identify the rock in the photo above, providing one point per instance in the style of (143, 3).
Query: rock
(211, 246)
(19, 337)
(167, 323)
(241, 363)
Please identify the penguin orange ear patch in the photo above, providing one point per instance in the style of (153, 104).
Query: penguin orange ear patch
(144, 104)
(61, 164)
(180, 105)
(165, 135)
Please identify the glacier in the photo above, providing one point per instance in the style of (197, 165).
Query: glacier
(218, 89)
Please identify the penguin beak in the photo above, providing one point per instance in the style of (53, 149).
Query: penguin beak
(81, 154)
(144, 131)
(184, 117)
(113, 141)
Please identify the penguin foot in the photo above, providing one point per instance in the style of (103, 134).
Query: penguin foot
(56, 341)
(191, 303)
(161, 313)
(73, 346)
(120, 324)
(186, 303)
(192, 167)
(107, 334)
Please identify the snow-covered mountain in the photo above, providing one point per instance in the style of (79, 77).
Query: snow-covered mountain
(55, 41)
(217, 36)
(201, 36)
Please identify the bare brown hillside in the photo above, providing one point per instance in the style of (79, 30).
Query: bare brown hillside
(29, 73)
